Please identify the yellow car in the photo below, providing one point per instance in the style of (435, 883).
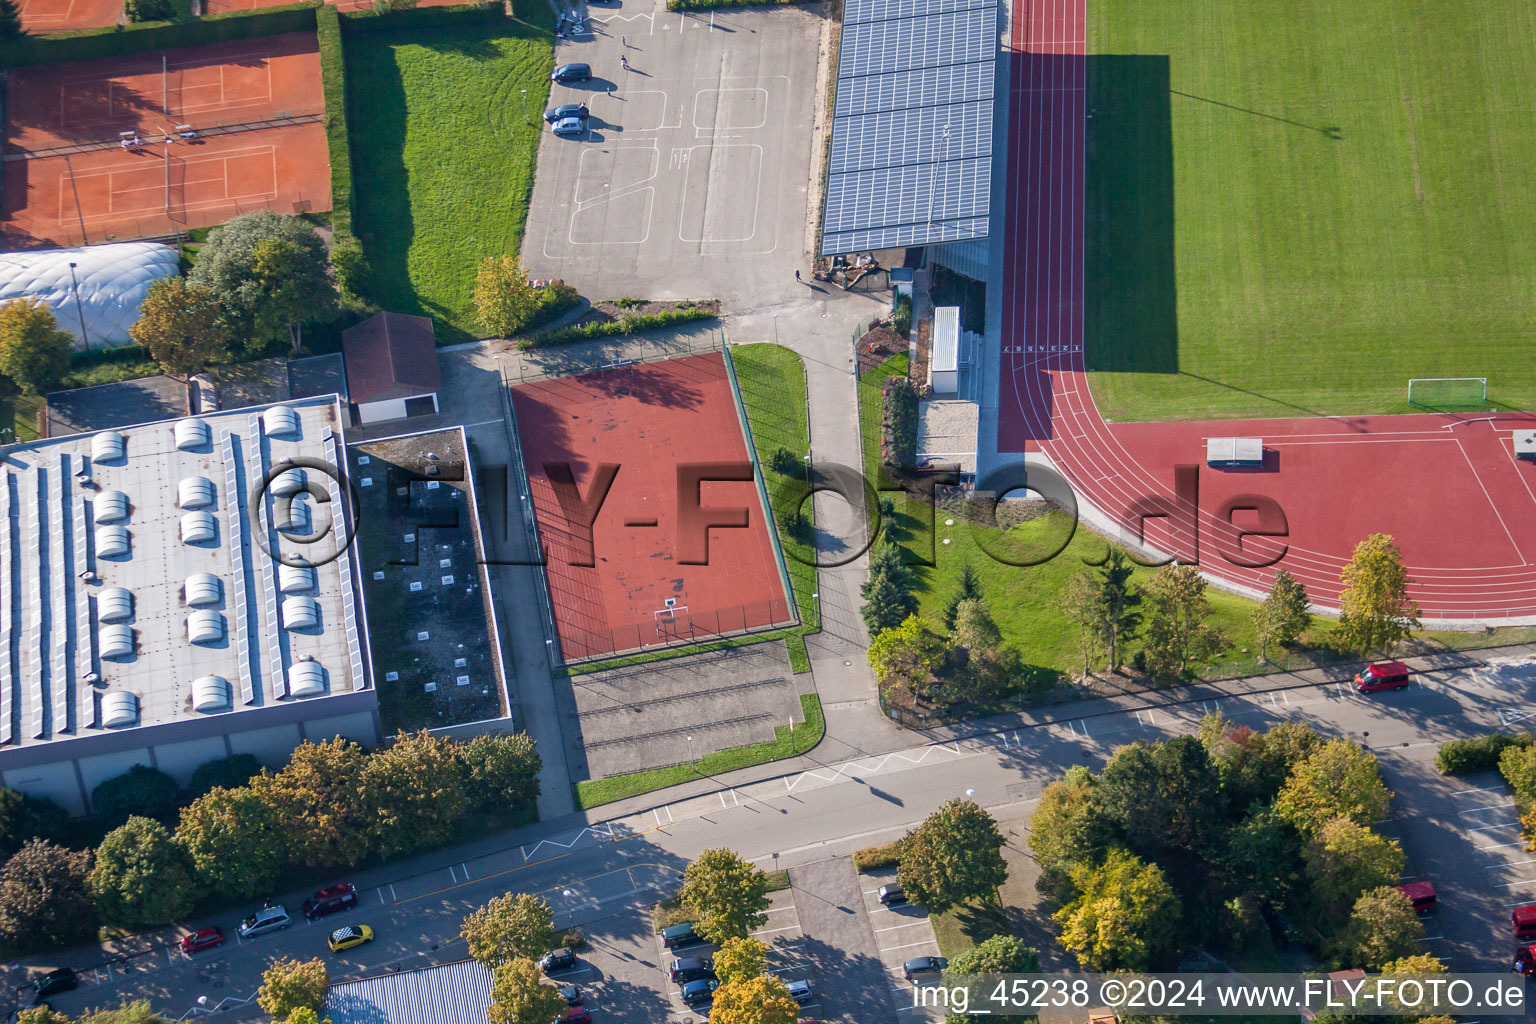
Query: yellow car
(351, 935)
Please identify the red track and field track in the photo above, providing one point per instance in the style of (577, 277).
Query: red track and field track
(257, 105)
(648, 419)
(42, 16)
(1446, 487)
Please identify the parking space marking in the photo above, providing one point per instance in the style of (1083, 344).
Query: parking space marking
(909, 945)
(894, 927)
(1502, 824)
(770, 931)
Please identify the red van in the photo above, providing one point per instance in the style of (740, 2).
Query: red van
(1524, 920)
(1385, 675)
(1422, 894)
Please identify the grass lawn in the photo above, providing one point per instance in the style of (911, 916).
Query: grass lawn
(1295, 207)
(1026, 600)
(960, 928)
(786, 742)
(444, 158)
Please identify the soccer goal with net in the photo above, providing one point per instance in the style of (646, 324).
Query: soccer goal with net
(1448, 392)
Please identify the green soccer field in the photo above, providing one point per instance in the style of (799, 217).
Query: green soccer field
(1294, 206)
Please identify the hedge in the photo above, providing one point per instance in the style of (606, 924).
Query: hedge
(625, 324)
(872, 858)
(1477, 755)
(333, 79)
(415, 19)
(113, 41)
(898, 422)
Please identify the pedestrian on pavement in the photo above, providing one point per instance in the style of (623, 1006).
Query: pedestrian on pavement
(624, 42)
(624, 62)
(797, 275)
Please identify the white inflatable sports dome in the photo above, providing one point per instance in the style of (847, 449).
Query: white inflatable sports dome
(112, 280)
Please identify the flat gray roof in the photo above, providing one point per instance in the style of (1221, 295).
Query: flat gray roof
(58, 680)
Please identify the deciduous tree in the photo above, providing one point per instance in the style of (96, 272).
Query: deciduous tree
(1382, 928)
(141, 790)
(1261, 855)
(1162, 796)
(137, 1012)
(142, 878)
(760, 1000)
(726, 895)
(182, 327)
(34, 353)
(952, 857)
(888, 593)
(289, 985)
(1345, 859)
(504, 300)
(1125, 916)
(1374, 609)
(304, 1015)
(227, 773)
(321, 798)
(43, 896)
(24, 817)
(1283, 615)
(416, 787)
(257, 302)
(1337, 778)
(740, 959)
(44, 1014)
(1069, 826)
(508, 927)
(519, 995)
(908, 651)
(1177, 632)
(1001, 954)
(1080, 601)
(237, 842)
(501, 773)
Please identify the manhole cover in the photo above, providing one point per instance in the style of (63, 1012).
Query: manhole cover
(847, 663)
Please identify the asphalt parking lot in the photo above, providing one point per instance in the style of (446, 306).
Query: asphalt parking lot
(697, 156)
(902, 933)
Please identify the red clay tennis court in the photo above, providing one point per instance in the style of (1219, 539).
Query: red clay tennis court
(255, 107)
(63, 15)
(648, 419)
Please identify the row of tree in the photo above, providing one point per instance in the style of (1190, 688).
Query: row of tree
(334, 805)
(1230, 836)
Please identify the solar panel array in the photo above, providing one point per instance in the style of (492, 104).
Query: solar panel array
(911, 159)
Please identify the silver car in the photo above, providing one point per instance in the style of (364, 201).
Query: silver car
(267, 919)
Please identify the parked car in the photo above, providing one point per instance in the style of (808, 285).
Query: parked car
(571, 73)
(574, 1015)
(569, 127)
(923, 965)
(698, 993)
(571, 994)
(1525, 960)
(566, 110)
(1386, 675)
(267, 919)
(351, 935)
(203, 938)
(802, 991)
(557, 960)
(680, 935)
(61, 980)
(331, 900)
(1422, 895)
(892, 896)
(1524, 920)
(691, 968)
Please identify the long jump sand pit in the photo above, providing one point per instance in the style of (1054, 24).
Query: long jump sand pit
(640, 590)
(254, 105)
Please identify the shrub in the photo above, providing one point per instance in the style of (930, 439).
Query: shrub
(872, 858)
(112, 41)
(149, 10)
(1476, 755)
(573, 939)
(226, 773)
(627, 324)
(139, 791)
(901, 315)
(898, 422)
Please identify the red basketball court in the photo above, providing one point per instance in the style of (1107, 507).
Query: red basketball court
(43, 16)
(255, 107)
(648, 420)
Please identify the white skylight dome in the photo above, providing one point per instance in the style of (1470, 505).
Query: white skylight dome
(202, 588)
(194, 492)
(110, 506)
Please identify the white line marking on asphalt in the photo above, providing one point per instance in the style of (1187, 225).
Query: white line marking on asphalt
(1487, 807)
(1486, 828)
(451, 876)
(1483, 849)
(909, 945)
(392, 892)
(770, 931)
(1511, 885)
(894, 927)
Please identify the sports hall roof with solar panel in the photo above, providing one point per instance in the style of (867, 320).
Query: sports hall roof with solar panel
(134, 595)
(911, 160)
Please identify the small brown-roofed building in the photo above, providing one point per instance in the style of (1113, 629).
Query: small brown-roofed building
(391, 361)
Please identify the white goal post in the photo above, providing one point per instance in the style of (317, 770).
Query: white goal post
(1447, 392)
